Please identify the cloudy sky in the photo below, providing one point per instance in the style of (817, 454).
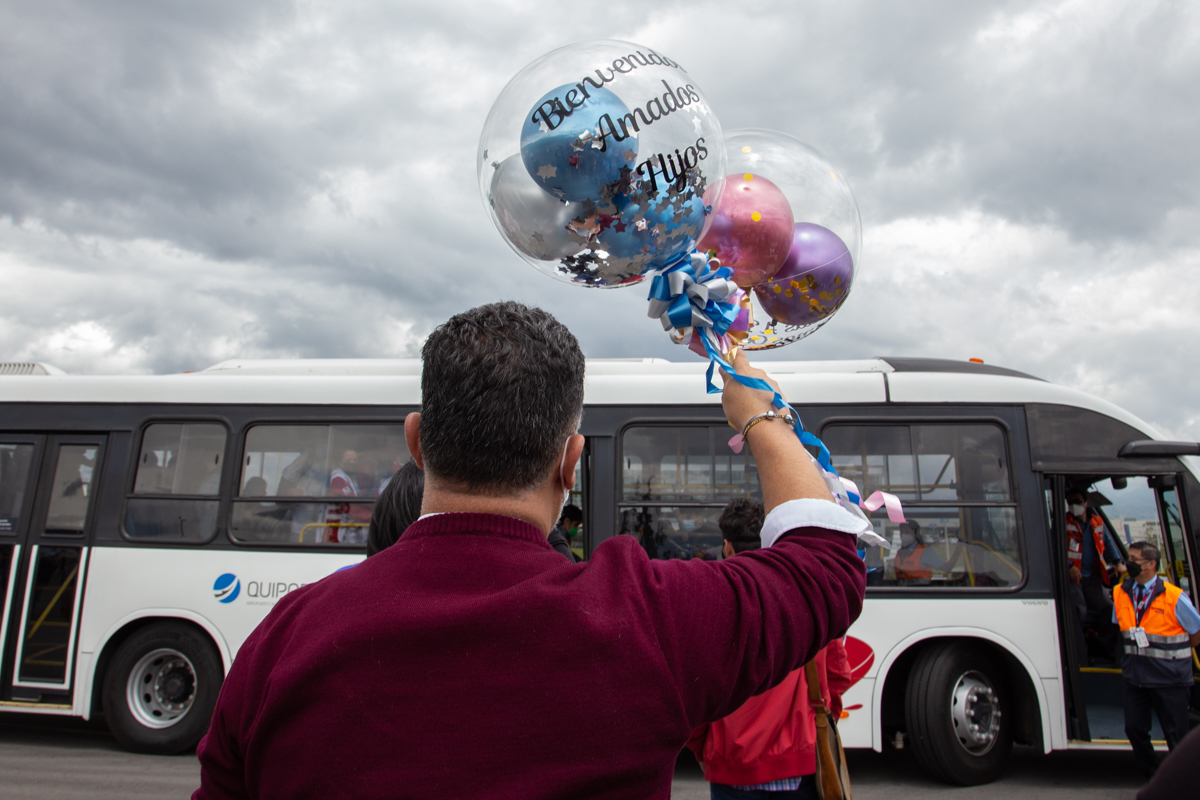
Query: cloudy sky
(182, 183)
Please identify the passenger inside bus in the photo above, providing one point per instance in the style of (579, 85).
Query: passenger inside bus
(915, 561)
(953, 479)
(306, 467)
(1095, 561)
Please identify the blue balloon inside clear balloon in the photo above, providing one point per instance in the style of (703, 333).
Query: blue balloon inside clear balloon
(656, 226)
(566, 148)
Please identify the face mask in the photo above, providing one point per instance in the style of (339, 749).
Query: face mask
(1078, 510)
(562, 465)
(689, 524)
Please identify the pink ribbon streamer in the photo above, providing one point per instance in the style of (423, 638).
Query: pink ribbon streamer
(895, 511)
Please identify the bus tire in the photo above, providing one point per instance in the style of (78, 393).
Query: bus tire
(161, 687)
(958, 713)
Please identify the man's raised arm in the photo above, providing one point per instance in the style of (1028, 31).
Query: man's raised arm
(735, 630)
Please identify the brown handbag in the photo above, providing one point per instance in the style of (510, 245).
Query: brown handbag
(833, 778)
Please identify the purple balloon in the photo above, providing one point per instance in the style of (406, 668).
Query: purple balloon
(813, 281)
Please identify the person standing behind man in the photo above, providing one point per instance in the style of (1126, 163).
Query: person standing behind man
(568, 526)
(398, 506)
(422, 671)
(1090, 548)
(1159, 627)
(766, 750)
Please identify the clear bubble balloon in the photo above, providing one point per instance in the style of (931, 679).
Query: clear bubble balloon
(624, 150)
(817, 274)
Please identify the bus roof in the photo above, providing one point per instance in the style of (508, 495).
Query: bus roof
(641, 381)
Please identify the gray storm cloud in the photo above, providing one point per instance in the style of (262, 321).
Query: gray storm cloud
(183, 183)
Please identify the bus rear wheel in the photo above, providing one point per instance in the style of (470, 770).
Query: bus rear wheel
(161, 687)
(954, 709)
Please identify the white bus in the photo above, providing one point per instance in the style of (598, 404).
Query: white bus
(147, 524)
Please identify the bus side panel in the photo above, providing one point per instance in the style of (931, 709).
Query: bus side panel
(890, 626)
(129, 583)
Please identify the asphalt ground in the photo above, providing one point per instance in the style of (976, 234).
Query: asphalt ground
(47, 758)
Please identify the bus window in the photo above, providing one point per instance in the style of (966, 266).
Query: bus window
(15, 460)
(877, 457)
(176, 486)
(954, 481)
(676, 481)
(1178, 569)
(667, 532)
(313, 484)
(71, 491)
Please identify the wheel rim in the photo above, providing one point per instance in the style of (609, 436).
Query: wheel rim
(975, 712)
(161, 688)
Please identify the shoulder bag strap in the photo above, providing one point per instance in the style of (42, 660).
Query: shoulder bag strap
(832, 780)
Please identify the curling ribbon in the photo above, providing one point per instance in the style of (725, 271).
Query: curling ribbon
(895, 511)
(687, 296)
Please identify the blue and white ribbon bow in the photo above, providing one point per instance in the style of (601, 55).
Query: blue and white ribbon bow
(688, 294)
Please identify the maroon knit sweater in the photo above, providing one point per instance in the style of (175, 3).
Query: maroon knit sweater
(472, 660)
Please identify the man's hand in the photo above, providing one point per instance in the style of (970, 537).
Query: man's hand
(1121, 569)
(742, 403)
(1076, 575)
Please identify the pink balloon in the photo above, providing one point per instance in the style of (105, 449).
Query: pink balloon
(751, 230)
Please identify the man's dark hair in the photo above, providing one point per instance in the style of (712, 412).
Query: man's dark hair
(398, 506)
(501, 389)
(1080, 489)
(741, 522)
(1149, 552)
(571, 512)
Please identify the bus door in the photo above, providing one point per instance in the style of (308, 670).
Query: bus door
(47, 485)
(1132, 508)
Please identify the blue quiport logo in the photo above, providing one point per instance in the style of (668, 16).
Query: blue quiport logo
(227, 588)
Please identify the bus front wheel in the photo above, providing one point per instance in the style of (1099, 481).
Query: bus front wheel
(161, 687)
(955, 707)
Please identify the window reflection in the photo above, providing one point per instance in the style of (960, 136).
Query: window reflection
(291, 475)
(71, 490)
(932, 468)
(677, 480)
(667, 532)
(321, 460)
(875, 457)
(974, 547)
(685, 464)
(14, 479)
(181, 459)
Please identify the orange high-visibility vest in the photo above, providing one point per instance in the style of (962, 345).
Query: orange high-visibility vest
(1075, 543)
(909, 566)
(1167, 658)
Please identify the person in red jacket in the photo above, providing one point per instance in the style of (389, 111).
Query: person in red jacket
(766, 750)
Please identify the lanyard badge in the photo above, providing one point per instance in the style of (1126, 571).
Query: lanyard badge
(1139, 636)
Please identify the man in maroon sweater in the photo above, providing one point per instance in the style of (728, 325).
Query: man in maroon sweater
(430, 670)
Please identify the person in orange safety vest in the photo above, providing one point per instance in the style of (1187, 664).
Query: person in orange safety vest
(1159, 626)
(915, 561)
(1090, 548)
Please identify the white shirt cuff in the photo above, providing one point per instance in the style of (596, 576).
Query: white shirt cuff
(810, 513)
